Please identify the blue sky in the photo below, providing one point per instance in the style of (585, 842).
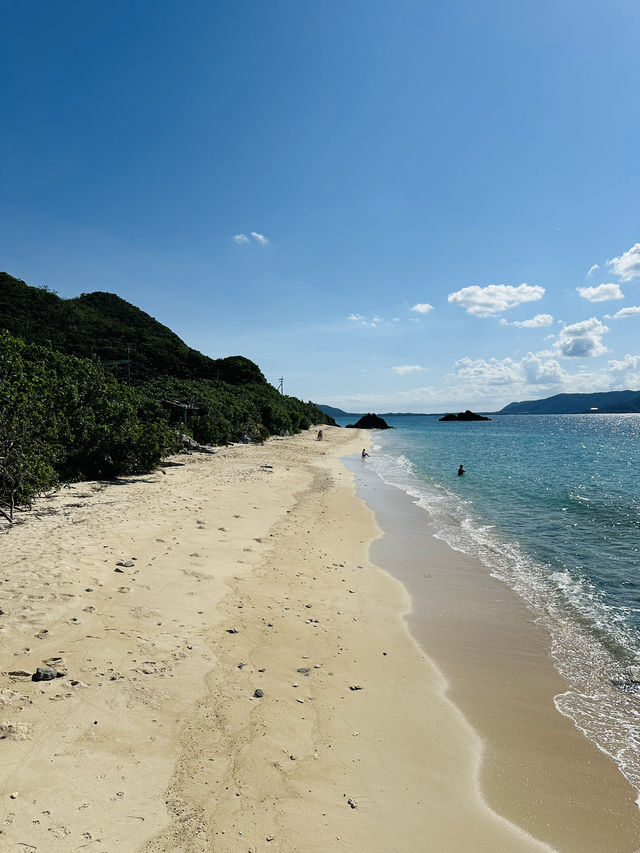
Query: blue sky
(407, 206)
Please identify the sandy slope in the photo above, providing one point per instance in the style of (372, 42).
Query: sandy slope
(248, 566)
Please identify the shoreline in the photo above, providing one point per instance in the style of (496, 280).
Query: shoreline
(538, 769)
(246, 570)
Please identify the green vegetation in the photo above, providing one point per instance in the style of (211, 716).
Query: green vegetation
(66, 414)
(131, 344)
(224, 413)
(64, 418)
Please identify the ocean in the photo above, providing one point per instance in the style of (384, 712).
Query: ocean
(550, 504)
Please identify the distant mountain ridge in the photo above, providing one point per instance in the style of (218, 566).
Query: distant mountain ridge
(604, 402)
(129, 342)
(608, 402)
(333, 412)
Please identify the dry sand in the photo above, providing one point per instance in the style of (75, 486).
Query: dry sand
(245, 570)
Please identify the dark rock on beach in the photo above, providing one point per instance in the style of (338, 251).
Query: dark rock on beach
(370, 421)
(465, 416)
(45, 673)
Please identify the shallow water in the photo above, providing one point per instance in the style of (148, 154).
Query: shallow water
(551, 505)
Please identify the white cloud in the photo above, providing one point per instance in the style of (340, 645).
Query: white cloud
(629, 362)
(480, 372)
(601, 293)
(593, 269)
(422, 308)
(627, 266)
(490, 384)
(582, 340)
(536, 322)
(631, 311)
(359, 318)
(242, 239)
(506, 378)
(495, 298)
(540, 371)
(626, 373)
(404, 369)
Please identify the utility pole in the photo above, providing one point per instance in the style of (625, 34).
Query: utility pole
(281, 385)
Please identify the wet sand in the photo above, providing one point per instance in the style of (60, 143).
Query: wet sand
(537, 769)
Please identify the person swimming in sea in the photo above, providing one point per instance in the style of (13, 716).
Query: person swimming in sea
(461, 471)
(364, 453)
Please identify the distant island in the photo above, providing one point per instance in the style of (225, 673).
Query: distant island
(603, 402)
(599, 402)
(370, 421)
(465, 416)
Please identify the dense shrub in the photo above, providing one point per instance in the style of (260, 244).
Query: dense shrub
(223, 413)
(64, 418)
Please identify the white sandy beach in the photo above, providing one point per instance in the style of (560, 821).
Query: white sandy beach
(244, 570)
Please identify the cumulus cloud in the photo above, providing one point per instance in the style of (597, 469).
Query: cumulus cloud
(626, 372)
(481, 372)
(629, 362)
(536, 322)
(582, 340)
(494, 382)
(363, 321)
(260, 238)
(601, 293)
(405, 369)
(242, 239)
(631, 311)
(627, 266)
(533, 374)
(593, 269)
(540, 371)
(422, 308)
(495, 298)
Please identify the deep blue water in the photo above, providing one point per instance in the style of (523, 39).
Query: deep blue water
(551, 506)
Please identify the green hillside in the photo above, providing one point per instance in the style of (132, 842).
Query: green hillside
(71, 408)
(576, 404)
(130, 343)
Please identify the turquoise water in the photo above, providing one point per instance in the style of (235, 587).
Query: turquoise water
(551, 506)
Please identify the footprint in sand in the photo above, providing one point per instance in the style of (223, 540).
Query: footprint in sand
(60, 831)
